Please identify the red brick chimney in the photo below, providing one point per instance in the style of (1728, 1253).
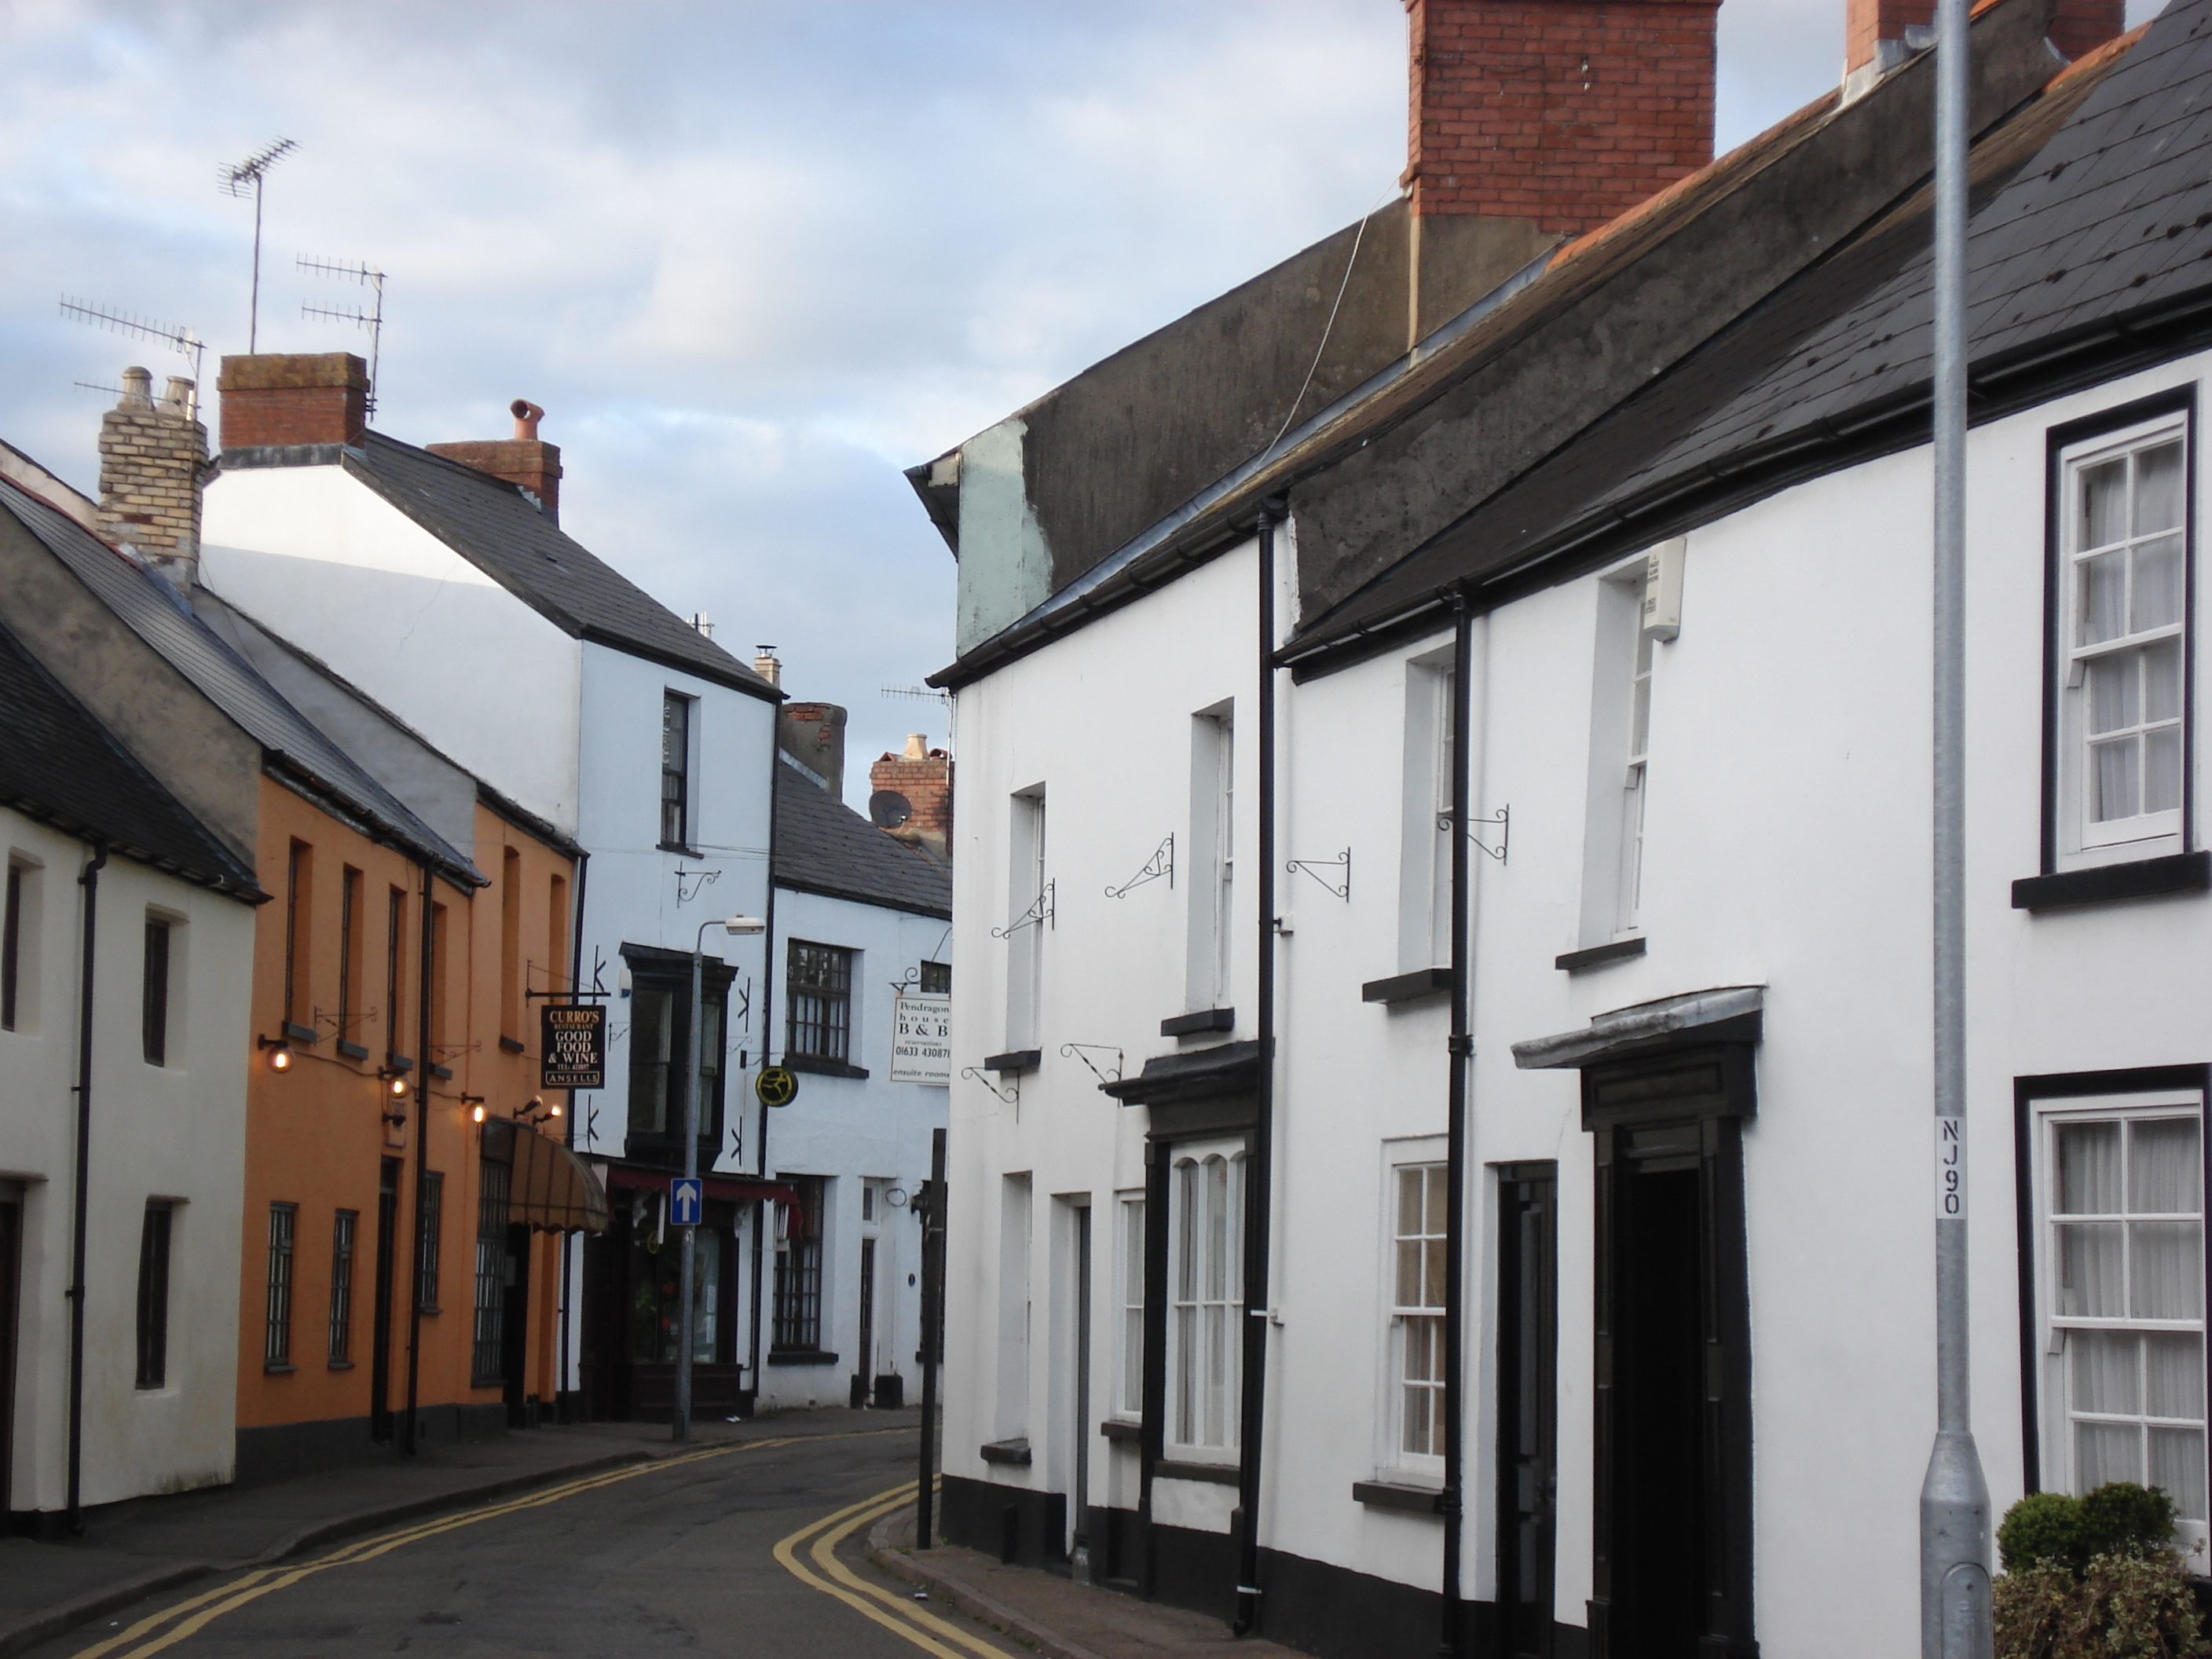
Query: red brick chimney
(911, 798)
(521, 459)
(1874, 30)
(1564, 113)
(271, 399)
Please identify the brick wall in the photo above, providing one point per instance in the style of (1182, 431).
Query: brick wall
(2080, 25)
(926, 780)
(321, 398)
(529, 462)
(151, 456)
(1564, 113)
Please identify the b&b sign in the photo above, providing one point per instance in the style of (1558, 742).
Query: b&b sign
(921, 1044)
(574, 1045)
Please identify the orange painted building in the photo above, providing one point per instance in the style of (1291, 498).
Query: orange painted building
(396, 1242)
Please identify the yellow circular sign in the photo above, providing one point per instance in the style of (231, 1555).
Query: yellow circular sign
(776, 1086)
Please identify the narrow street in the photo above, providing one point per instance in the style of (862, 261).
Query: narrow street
(746, 1549)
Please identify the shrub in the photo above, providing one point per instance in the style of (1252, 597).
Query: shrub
(2119, 1518)
(2119, 1607)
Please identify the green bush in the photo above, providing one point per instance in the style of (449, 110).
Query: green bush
(2119, 1518)
(2120, 1606)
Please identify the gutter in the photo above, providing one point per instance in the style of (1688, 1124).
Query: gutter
(422, 1076)
(81, 1210)
(1459, 1047)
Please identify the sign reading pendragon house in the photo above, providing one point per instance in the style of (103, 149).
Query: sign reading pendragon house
(921, 1045)
(574, 1045)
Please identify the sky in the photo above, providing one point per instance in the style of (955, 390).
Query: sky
(752, 258)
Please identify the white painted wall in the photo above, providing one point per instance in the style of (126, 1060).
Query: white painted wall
(174, 1132)
(1787, 837)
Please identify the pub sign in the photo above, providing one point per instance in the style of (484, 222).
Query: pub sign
(574, 1045)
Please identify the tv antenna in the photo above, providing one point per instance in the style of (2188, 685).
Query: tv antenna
(185, 342)
(919, 693)
(239, 179)
(372, 320)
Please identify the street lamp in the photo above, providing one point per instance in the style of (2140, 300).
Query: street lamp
(680, 1424)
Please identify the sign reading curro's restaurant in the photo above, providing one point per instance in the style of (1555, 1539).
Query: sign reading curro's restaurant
(573, 1046)
(921, 1041)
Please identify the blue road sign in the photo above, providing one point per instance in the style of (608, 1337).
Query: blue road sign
(683, 1199)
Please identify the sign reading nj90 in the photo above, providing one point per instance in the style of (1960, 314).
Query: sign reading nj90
(573, 1046)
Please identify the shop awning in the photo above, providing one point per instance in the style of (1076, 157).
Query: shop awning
(735, 1189)
(552, 1189)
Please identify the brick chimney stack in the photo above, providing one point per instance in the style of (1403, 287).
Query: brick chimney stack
(286, 400)
(151, 456)
(1874, 30)
(1562, 112)
(521, 459)
(813, 734)
(912, 796)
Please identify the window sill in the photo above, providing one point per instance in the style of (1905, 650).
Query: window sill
(679, 846)
(509, 1045)
(1389, 1495)
(2177, 872)
(1408, 987)
(284, 1369)
(1014, 1452)
(445, 1073)
(1206, 1019)
(341, 1364)
(1599, 955)
(352, 1050)
(397, 1062)
(824, 1067)
(1123, 1428)
(800, 1357)
(1212, 1475)
(429, 1312)
(1015, 1060)
(300, 1033)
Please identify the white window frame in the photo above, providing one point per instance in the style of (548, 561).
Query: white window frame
(1212, 859)
(2080, 842)
(2055, 1392)
(1392, 1457)
(1129, 1297)
(1621, 681)
(1194, 1309)
(1426, 855)
(1029, 914)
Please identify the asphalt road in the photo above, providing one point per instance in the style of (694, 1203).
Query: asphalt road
(676, 1558)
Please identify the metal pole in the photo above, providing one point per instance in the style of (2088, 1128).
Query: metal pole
(680, 1424)
(253, 309)
(79, 1220)
(932, 1305)
(1954, 1500)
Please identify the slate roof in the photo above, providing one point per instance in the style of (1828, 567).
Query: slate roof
(2089, 256)
(153, 610)
(60, 766)
(822, 846)
(494, 526)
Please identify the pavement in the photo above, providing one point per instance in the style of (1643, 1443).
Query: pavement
(1056, 1616)
(143, 1547)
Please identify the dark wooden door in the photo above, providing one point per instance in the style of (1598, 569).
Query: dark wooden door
(11, 1258)
(1528, 1407)
(379, 1342)
(514, 1327)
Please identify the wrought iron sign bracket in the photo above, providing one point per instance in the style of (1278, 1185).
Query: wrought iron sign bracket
(1039, 914)
(1011, 1094)
(1503, 823)
(700, 880)
(1315, 867)
(1076, 1051)
(1162, 863)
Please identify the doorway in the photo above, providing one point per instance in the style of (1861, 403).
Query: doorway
(1078, 1543)
(1528, 1407)
(11, 1262)
(514, 1327)
(1672, 1538)
(379, 1342)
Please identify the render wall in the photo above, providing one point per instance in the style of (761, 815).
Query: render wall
(174, 1132)
(1786, 847)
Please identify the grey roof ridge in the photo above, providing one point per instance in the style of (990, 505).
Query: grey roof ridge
(356, 461)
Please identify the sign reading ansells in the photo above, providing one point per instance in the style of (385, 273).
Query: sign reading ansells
(574, 1045)
(922, 1046)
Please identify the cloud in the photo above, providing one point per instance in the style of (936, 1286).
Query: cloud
(751, 258)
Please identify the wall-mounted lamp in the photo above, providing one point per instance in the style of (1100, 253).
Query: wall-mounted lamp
(280, 1052)
(476, 1105)
(394, 1085)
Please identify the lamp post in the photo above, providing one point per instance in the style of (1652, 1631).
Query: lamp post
(680, 1422)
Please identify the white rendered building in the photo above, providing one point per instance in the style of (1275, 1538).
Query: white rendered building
(1516, 1108)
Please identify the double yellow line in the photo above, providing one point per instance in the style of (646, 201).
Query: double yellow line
(173, 1623)
(898, 1614)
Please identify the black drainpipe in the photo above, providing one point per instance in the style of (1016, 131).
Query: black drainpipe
(761, 1242)
(90, 882)
(1258, 1183)
(422, 1075)
(1461, 1046)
